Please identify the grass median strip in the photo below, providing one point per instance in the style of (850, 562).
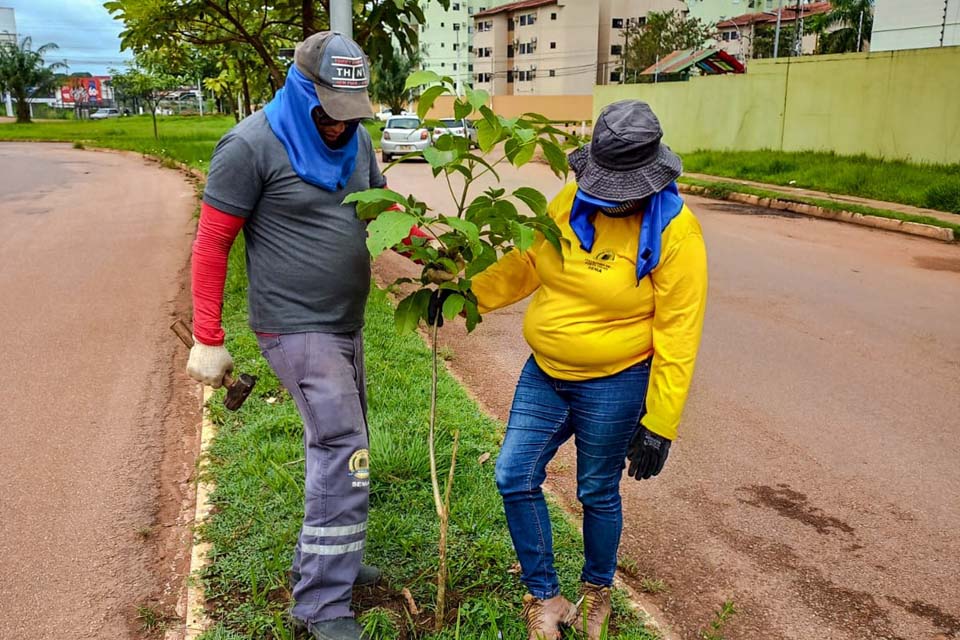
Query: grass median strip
(186, 139)
(921, 185)
(721, 190)
(256, 465)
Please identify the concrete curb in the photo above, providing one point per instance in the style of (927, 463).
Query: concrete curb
(875, 222)
(195, 612)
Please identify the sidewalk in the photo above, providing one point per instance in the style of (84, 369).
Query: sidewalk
(809, 193)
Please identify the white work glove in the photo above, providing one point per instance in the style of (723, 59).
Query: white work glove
(209, 364)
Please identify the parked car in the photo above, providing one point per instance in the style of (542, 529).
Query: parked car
(104, 113)
(461, 128)
(384, 114)
(401, 135)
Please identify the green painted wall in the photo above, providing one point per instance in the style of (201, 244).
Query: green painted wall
(891, 104)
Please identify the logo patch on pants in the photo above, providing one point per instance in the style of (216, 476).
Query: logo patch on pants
(360, 467)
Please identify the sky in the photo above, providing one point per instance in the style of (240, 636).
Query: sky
(89, 38)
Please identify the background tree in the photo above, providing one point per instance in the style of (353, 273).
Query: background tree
(149, 87)
(389, 77)
(263, 27)
(764, 35)
(24, 74)
(662, 34)
(845, 27)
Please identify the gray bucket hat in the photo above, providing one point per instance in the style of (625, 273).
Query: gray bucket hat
(340, 74)
(625, 159)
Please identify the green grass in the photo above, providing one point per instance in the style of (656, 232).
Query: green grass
(920, 185)
(187, 139)
(256, 464)
(722, 190)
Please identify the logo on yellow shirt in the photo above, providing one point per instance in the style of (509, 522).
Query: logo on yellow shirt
(600, 261)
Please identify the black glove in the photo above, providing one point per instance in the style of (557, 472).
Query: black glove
(647, 454)
(435, 307)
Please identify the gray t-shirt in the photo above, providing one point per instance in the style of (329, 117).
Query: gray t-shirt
(307, 259)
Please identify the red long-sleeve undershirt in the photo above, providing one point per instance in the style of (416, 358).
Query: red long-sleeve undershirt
(211, 249)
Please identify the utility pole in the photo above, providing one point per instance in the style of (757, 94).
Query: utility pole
(776, 35)
(860, 33)
(200, 96)
(341, 17)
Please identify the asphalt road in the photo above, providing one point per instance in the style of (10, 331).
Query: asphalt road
(96, 434)
(815, 481)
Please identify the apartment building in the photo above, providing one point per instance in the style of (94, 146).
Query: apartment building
(8, 26)
(446, 37)
(555, 47)
(737, 35)
(915, 25)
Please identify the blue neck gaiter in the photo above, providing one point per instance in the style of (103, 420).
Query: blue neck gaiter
(661, 209)
(289, 115)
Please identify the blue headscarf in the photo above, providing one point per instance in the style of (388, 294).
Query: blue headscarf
(289, 117)
(661, 209)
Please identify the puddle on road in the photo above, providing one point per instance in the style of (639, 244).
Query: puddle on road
(935, 263)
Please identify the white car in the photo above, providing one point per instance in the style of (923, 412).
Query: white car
(460, 128)
(386, 114)
(103, 114)
(402, 135)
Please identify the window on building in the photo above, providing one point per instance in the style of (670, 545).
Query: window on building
(553, 73)
(532, 18)
(734, 35)
(553, 16)
(510, 76)
(511, 25)
(509, 50)
(456, 6)
(617, 23)
(469, 29)
(470, 10)
(456, 46)
(442, 25)
(615, 76)
(523, 20)
(469, 67)
(616, 49)
(642, 20)
(454, 66)
(469, 48)
(726, 35)
(553, 45)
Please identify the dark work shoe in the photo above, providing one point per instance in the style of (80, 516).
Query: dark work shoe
(367, 577)
(337, 629)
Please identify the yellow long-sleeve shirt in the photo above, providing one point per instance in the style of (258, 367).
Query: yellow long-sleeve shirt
(589, 318)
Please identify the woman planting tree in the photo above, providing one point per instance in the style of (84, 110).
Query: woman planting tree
(614, 326)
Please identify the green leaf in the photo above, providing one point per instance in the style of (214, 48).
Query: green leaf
(406, 315)
(427, 98)
(437, 158)
(388, 229)
(556, 158)
(478, 98)
(420, 78)
(488, 135)
(523, 236)
(486, 257)
(453, 305)
(489, 116)
(533, 199)
(467, 228)
(473, 315)
(375, 195)
(461, 109)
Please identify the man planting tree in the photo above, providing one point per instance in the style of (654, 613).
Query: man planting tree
(281, 175)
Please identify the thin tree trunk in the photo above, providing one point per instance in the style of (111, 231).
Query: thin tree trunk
(441, 503)
(246, 88)
(309, 18)
(23, 109)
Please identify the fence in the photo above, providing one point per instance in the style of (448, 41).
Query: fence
(892, 104)
(563, 108)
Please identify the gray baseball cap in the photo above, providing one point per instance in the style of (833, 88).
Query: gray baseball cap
(625, 159)
(340, 73)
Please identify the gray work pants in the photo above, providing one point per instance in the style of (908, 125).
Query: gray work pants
(324, 373)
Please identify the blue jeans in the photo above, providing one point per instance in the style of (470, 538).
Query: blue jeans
(602, 415)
